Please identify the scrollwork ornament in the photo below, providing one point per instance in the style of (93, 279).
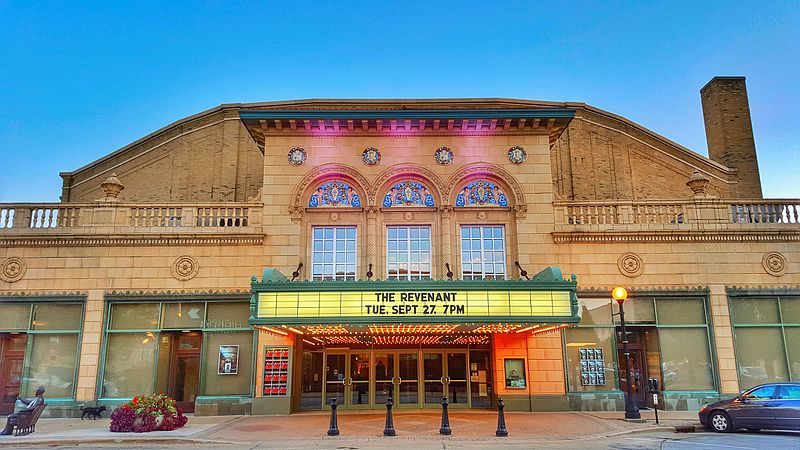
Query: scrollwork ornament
(184, 268)
(774, 263)
(13, 269)
(630, 264)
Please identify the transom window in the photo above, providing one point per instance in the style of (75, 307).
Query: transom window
(408, 193)
(334, 194)
(481, 193)
(408, 253)
(333, 253)
(483, 254)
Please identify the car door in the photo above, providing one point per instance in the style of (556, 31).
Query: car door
(787, 407)
(754, 409)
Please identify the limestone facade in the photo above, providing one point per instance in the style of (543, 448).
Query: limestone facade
(212, 200)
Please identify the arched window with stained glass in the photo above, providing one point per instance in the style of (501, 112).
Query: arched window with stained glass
(334, 194)
(408, 193)
(481, 193)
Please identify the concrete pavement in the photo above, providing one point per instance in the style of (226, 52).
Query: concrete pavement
(471, 428)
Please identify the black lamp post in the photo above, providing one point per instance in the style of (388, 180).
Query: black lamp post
(631, 410)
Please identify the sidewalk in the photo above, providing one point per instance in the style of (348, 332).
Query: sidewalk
(308, 430)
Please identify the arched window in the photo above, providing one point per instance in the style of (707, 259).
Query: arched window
(408, 193)
(334, 194)
(481, 193)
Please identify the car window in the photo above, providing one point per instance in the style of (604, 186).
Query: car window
(762, 393)
(789, 392)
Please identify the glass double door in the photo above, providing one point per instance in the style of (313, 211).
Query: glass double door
(413, 378)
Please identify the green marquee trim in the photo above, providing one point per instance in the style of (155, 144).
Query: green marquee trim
(548, 280)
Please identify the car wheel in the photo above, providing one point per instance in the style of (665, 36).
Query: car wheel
(720, 422)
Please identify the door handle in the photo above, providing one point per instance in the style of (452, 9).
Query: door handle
(444, 380)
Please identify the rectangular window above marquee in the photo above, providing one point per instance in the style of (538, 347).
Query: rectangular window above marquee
(333, 253)
(483, 252)
(408, 253)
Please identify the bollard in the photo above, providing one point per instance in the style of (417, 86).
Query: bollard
(445, 429)
(333, 430)
(388, 430)
(501, 420)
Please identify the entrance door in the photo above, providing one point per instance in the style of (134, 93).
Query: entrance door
(396, 373)
(456, 385)
(638, 376)
(184, 379)
(434, 378)
(359, 380)
(335, 378)
(445, 374)
(407, 379)
(12, 355)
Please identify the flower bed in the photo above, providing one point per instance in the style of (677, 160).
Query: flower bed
(147, 413)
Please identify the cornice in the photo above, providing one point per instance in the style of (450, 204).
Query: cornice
(130, 240)
(605, 291)
(45, 295)
(604, 237)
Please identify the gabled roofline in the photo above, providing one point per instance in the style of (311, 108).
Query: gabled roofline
(314, 104)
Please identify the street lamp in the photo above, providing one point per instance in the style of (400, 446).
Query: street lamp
(631, 410)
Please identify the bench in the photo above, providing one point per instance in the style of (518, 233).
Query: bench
(26, 422)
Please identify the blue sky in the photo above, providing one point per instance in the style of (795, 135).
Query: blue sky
(79, 80)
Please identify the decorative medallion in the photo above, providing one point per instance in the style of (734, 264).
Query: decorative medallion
(630, 265)
(13, 269)
(517, 155)
(443, 155)
(371, 156)
(408, 215)
(482, 215)
(774, 263)
(184, 268)
(334, 216)
(334, 194)
(297, 156)
(408, 193)
(481, 193)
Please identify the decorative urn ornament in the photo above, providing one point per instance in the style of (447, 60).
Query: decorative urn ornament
(443, 155)
(297, 156)
(371, 156)
(112, 187)
(517, 155)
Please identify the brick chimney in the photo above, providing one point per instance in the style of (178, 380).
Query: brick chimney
(729, 132)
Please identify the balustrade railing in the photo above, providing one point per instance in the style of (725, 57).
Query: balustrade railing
(53, 216)
(645, 213)
(768, 212)
(591, 214)
(223, 217)
(698, 212)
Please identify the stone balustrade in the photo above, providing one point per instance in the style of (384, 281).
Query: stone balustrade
(729, 219)
(22, 218)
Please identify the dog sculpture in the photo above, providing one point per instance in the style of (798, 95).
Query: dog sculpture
(94, 412)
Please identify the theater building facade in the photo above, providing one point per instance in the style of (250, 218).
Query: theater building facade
(264, 258)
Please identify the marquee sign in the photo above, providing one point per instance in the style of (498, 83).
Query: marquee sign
(281, 302)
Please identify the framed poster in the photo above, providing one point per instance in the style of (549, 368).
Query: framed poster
(228, 360)
(515, 373)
